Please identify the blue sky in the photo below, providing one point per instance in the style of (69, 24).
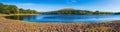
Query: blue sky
(52, 5)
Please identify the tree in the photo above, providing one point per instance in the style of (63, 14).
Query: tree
(1, 7)
(12, 9)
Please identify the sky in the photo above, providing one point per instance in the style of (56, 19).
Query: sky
(53, 5)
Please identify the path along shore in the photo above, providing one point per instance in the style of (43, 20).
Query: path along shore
(8, 25)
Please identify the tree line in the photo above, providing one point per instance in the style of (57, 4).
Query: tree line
(13, 9)
(73, 11)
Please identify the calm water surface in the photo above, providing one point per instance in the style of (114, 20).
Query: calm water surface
(66, 18)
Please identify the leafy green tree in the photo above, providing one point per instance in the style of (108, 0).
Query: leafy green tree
(12, 9)
(1, 7)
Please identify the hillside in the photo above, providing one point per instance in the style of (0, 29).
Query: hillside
(73, 11)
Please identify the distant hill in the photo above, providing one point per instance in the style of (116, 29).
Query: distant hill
(73, 11)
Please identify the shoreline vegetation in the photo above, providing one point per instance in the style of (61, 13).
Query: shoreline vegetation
(17, 14)
(74, 11)
(14, 10)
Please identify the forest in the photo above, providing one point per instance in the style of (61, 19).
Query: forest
(13, 9)
(73, 11)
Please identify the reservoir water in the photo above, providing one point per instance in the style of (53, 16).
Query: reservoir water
(66, 18)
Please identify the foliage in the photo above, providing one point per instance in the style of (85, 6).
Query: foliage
(12, 9)
(64, 11)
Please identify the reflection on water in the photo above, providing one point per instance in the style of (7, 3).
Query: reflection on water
(18, 17)
(66, 18)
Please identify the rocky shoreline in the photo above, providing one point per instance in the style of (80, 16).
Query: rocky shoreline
(8, 25)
